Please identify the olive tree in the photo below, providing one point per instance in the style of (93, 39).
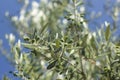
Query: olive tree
(56, 43)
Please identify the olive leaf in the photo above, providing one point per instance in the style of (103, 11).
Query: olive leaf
(51, 65)
(107, 32)
(33, 46)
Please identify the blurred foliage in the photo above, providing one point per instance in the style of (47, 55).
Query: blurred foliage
(58, 45)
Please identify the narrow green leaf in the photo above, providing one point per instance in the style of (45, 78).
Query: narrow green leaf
(43, 28)
(79, 3)
(33, 46)
(57, 43)
(93, 44)
(107, 32)
(84, 40)
(29, 46)
(51, 65)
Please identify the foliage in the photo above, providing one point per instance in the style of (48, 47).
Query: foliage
(57, 44)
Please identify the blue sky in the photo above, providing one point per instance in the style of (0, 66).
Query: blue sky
(6, 27)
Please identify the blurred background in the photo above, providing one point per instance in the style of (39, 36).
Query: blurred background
(93, 7)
